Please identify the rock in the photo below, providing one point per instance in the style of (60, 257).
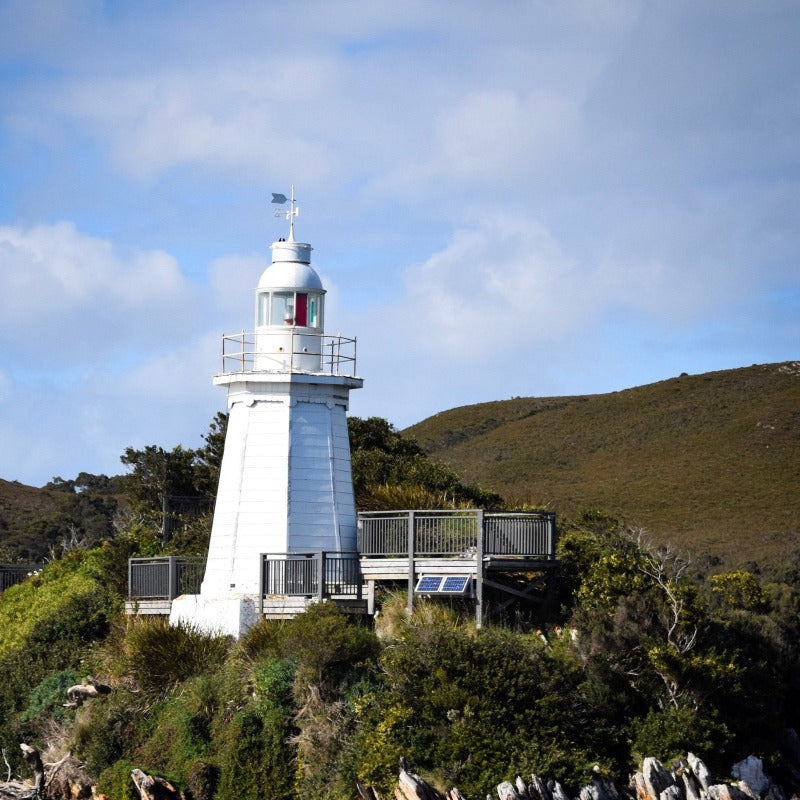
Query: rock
(774, 793)
(674, 792)
(599, 789)
(723, 791)
(152, 787)
(412, 787)
(557, 791)
(522, 789)
(538, 789)
(699, 770)
(77, 695)
(751, 777)
(790, 758)
(652, 780)
(507, 791)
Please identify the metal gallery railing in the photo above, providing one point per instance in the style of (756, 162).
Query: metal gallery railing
(12, 574)
(337, 354)
(164, 577)
(457, 533)
(320, 574)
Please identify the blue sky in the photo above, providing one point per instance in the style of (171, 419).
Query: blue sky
(521, 198)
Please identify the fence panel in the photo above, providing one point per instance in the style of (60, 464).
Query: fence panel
(297, 574)
(164, 578)
(520, 534)
(12, 574)
(443, 533)
(290, 575)
(383, 533)
(455, 533)
(190, 575)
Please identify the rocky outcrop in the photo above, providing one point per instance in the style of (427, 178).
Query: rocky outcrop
(687, 779)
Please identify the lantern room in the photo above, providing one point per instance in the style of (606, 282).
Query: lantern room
(290, 303)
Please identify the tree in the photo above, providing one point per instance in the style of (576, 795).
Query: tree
(381, 458)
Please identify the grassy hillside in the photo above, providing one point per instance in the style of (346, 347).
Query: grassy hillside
(25, 514)
(707, 462)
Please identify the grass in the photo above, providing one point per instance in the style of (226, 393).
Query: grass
(707, 462)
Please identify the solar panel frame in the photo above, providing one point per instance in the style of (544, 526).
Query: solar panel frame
(454, 584)
(442, 584)
(429, 584)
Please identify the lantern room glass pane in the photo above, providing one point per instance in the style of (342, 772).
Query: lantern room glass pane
(282, 308)
(263, 309)
(314, 311)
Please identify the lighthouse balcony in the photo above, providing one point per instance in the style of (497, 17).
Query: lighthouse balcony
(289, 350)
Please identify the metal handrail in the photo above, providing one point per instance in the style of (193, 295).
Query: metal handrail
(164, 577)
(455, 533)
(337, 353)
(319, 574)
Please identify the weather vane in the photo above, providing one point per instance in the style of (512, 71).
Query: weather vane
(289, 213)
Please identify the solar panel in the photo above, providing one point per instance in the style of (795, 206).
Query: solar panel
(442, 584)
(429, 583)
(455, 584)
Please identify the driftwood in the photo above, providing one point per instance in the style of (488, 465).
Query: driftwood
(152, 787)
(66, 779)
(90, 688)
(31, 755)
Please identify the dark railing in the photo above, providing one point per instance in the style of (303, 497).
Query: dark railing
(298, 574)
(456, 533)
(165, 577)
(12, 574)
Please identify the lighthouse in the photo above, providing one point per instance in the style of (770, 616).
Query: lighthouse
(285, 481)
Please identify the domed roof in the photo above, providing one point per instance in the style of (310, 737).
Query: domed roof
(290, 268)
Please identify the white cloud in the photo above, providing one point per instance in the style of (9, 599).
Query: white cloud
(493, 289)
(501, 135)
(69, 297)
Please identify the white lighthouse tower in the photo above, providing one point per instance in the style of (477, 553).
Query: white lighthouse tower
(285, 483)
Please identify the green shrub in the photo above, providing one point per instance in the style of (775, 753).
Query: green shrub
(667, 734)
(159, 655)
(255, 760)
(178, 732)
(104, 733)
(47, 698)
(115, 781)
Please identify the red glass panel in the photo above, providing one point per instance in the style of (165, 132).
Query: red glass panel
(301, 310)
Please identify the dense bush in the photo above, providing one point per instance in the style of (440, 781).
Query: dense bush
(645, 657)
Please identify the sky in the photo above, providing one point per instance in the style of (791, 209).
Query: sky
(505, 199)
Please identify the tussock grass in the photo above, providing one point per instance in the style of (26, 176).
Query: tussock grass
(158, 656)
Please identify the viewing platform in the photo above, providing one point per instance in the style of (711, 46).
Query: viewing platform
(467, 553)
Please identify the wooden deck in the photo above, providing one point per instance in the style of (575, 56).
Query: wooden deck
(508, 553)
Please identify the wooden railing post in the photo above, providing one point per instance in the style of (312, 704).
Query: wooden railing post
(320, 575)
(411, 547)
(479, 570)
(172, 584)
(261, 570)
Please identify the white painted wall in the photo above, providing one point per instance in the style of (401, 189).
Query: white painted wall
(285, 481)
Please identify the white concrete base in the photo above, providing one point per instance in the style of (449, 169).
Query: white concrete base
(229, 615)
